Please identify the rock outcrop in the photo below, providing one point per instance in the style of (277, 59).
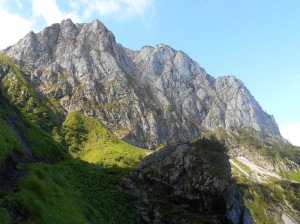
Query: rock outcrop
(187, 183)
(151, 96)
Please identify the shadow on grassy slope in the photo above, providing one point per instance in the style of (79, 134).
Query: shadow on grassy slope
(40, 182)
(53, 187)
(72, 191)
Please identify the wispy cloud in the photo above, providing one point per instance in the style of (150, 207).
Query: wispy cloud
(292, 133)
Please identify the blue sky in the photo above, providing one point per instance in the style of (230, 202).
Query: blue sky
(258, 41)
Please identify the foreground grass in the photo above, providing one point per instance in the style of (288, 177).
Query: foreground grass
(8, 141)
(99, 188)
(72, 191)
(68, 190)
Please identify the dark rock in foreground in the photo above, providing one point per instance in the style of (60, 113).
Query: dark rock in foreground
(187, 183)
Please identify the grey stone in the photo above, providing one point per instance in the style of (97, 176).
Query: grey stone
(158, 94)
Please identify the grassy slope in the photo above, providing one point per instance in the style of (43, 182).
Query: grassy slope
(72, 191)
(8, 141)
(41, 111)
(263, 198)
(30, 114)
(274, 150)
(88, 139)
(67, 190)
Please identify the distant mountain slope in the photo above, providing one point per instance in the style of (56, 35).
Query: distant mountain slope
(151, 96)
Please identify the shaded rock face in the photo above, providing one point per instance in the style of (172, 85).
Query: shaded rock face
(151, 96)
(187, 183)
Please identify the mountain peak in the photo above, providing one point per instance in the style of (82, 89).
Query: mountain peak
(67, 22)
(158, 94)
(97, 25)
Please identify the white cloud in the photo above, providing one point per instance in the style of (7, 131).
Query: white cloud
(14, 28)
(292, 133)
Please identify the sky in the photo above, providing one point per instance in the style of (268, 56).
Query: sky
(258, 41)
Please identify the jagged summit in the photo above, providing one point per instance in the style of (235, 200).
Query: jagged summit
(151, 96)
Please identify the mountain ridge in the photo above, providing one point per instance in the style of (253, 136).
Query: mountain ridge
(157, 94)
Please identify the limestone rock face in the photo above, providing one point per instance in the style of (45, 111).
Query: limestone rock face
(235, 106)
(187, 183)
(151, 96)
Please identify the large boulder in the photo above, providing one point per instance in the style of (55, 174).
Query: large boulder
(187, 183)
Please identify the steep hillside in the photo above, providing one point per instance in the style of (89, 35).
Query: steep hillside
(40, 182)
(26, 117)
(153, 96)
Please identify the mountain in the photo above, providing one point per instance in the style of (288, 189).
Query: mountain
(75, 108)
(148, 97)
(68, 168)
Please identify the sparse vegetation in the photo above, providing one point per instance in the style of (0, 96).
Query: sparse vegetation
(262, 199)
(117, 106)
(273, 149)
(243, 166)
(63, 76)
(265, 200)
(293, 176)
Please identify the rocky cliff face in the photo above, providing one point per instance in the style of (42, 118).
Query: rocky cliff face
(151, 96)
(187, 183)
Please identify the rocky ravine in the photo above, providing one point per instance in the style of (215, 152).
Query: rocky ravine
(151, 96)
(187, 183)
